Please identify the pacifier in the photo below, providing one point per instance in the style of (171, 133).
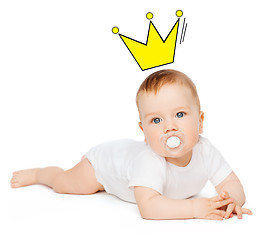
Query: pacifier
(173, 142)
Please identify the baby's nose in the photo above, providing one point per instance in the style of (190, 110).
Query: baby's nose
(170, 126)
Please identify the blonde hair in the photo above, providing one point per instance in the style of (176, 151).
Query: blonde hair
(155, 81)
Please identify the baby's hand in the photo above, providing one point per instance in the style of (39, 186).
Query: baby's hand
(210, 208)
(233, 208)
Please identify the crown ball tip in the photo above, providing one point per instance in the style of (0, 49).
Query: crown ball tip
(115, 30)
(149, 15)
(179, 13)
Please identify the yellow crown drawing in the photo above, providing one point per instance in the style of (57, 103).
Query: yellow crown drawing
(156, 51)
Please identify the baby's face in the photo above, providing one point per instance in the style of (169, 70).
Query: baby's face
(172, 109)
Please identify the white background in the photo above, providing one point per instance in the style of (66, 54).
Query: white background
(67, 83)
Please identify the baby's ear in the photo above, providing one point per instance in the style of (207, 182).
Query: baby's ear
(140, 125)
(201, 122)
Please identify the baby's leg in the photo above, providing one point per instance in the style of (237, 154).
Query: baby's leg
(35, 176)
(78, 180)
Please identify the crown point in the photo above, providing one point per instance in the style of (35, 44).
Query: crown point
(149, 15)
(115, 30)
(179, 13)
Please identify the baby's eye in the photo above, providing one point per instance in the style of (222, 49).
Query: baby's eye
(180, 114)
(156, 120)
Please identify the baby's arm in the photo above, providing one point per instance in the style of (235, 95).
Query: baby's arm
(153, 205)
(234, 189)
(233, 186)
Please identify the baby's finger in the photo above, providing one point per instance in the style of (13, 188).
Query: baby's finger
(215, 217)
(220, 213)
(221, 196)
(246, 211)
(229, 210)
(238, 211)
(222, 203)
(224, 195)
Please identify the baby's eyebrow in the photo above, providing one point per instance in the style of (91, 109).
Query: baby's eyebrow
(175, 110)
(152, 114)
(181, 109)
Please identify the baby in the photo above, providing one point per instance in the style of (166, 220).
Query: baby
(161, 173)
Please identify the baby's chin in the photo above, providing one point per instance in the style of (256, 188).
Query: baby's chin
(172, 154)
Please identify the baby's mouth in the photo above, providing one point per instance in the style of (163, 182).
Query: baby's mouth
(172, 142)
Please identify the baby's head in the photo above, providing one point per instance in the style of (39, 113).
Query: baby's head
(169, 105)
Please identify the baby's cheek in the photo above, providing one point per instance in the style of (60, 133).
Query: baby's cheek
(193, 138)
(156, 145)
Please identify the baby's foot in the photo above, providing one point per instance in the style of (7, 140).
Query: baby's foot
(24, 178)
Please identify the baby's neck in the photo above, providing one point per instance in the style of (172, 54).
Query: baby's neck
(182, 161)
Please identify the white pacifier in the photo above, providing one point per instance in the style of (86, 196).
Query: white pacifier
(172, 142)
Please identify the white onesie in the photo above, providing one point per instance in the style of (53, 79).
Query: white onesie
(120, 165)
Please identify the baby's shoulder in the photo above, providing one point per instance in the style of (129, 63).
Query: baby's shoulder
(203, 144)
(204, 148)
(206, 151)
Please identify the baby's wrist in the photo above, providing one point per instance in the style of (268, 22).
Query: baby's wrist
(194, 207)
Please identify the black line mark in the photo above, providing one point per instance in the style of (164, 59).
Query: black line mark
(182, 30)
(185, 32)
